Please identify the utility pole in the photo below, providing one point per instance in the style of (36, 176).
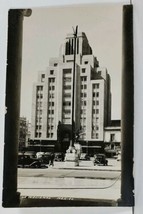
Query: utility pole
(73, 94)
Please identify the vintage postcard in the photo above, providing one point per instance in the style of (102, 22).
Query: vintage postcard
(68, 125)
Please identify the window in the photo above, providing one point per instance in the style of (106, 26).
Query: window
(83, 78)
(97, 135)
(42, 77)
(67, 95)
(97, 127)
(66, 103)
(67, 111)
(51, 103)
(112, 137)
(51, 95)
(55, 64)
(97, 119)
(67, 71)
(97, 111)
(67, 87)
(86, 62)
(39, 88)
(83, 70)
(51, 80)
(51, 72)
(97, 102)
(85, 95)
(97, 94)
(96, 85)
(83, 111)
(83, 103)
(67, 79)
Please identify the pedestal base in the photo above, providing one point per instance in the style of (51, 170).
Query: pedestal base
(71, 164)
(71, 158)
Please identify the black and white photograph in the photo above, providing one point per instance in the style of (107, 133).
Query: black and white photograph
(69, 107)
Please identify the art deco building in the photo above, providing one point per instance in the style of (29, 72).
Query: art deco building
(53, 92)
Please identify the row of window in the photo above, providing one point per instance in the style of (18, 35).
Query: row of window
(51, 127)
(66, 103)
(39, 95)
(95, 135)
(95, 86)
(39, 88)
(83, 86)
(38, 127)
(66, 71)
(95, 127)
(39, 119)
(67, 87)
(38, 134)
(95, 111)
(52, 87)
(67, 79)
(95, 102)
(83, 79)
(51, 80)
(39, 111)
(51, 111)
(95, 94)
(50, 135)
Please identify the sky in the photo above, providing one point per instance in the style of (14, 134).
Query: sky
(45, 30)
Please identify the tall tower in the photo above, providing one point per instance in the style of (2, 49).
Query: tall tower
(52, 96)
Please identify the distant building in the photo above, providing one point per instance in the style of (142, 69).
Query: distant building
(24, 133)
(112, 137)
(52, 99)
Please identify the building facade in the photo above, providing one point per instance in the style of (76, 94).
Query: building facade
(52, 97)
(24, 133)
(112, 138)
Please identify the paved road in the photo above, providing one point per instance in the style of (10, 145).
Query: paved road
(68, 173)
(69, 183)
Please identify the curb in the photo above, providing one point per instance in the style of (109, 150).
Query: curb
(76, 168)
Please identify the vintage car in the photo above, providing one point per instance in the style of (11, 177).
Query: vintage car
(59, 156)
(84, 156)
(100, 159)
(27, 161)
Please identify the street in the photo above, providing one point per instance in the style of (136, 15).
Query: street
(81, 182)
(67, 173)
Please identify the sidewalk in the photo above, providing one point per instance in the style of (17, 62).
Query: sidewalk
(113, 165)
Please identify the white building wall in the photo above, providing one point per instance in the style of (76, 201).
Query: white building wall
(116, 132)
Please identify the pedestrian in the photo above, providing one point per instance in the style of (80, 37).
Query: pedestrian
(52, 157)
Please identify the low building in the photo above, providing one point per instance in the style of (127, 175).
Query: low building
(112, 138)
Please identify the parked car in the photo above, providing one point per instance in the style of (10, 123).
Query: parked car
(100, 159)
(84, 156)
(46, 157)
(26, 161)
(59, 156)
